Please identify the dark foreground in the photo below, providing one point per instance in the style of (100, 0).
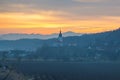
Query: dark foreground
(70, 71)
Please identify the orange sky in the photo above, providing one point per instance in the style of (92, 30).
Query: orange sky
(42, 21)
(47, 24)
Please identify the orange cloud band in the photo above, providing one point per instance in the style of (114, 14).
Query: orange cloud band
(47, 23)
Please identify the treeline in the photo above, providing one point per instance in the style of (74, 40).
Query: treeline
(64, 53)
(14, 55)
(75, 53)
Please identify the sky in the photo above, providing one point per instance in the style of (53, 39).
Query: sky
(49, 16)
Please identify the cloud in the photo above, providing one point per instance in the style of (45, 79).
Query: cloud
(88, 0)
(71, 14)
(102, 7)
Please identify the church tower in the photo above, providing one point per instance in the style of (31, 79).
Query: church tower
(60, 38)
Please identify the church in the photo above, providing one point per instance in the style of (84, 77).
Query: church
(60, 42)
(60, 39)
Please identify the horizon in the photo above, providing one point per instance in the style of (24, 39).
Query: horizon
(58, 33)
(48, 17)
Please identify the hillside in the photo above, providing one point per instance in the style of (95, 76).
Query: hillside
(17, 36)
(111, 38)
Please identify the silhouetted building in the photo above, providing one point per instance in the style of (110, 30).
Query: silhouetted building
(60, 39)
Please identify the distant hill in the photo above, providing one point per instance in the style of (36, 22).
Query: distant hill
(15, 36)
(99, 40)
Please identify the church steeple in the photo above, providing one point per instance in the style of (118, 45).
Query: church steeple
(60, 34)
(60, 38)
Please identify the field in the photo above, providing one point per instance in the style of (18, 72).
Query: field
(69, 70)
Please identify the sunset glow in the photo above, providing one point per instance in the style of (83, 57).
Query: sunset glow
(28, 18)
